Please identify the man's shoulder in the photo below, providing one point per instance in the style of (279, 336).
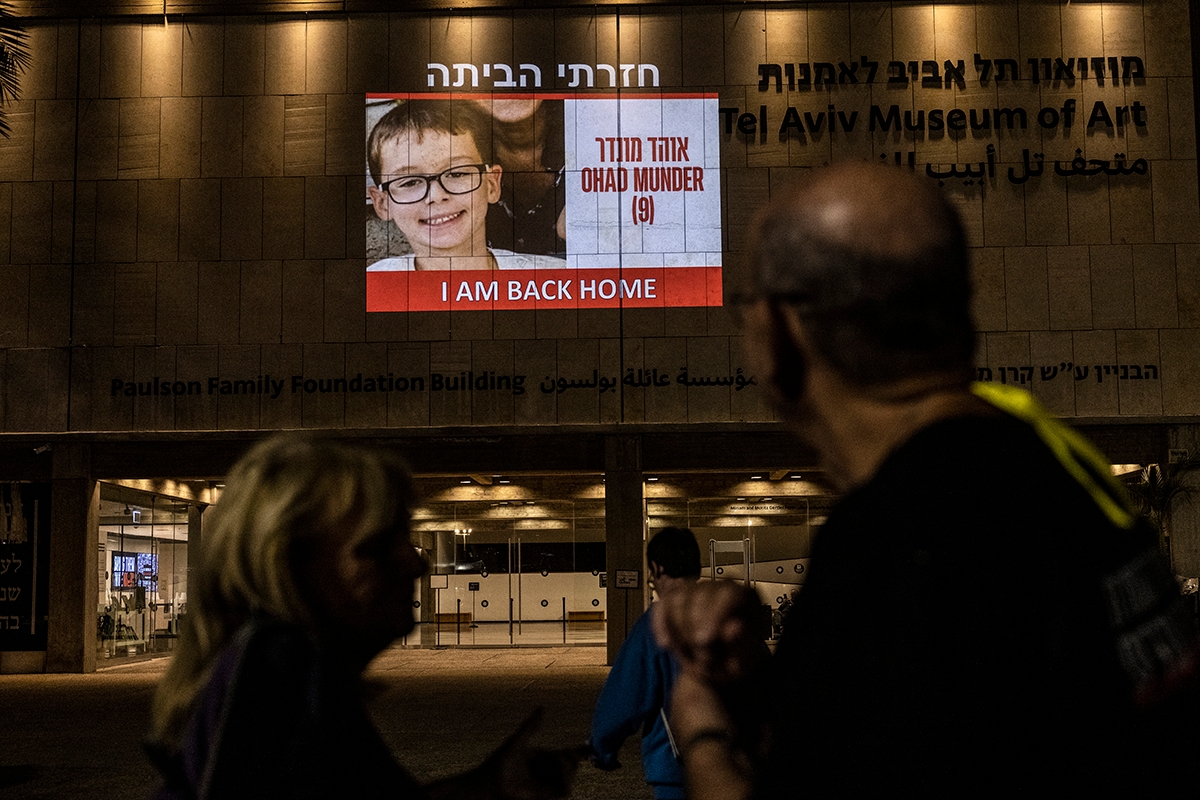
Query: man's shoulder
(974, 440)
(978, 482)
(952, 461)
(970, 458)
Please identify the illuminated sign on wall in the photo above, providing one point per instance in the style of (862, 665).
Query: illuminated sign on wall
(130, 570)
(545, 200)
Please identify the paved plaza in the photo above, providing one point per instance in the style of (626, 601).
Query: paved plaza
(441, 710)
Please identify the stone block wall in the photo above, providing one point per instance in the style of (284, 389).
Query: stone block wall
(184, 203)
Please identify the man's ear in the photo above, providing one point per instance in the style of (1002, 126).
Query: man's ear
(790, 373)
(379, 202)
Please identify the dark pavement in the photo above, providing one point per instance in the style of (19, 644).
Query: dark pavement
(442, 711)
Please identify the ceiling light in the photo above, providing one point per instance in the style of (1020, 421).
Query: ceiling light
(756, 477)
(466, 481)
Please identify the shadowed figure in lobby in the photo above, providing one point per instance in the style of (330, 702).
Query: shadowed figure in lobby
(638, 690)
(983, 614)
(306, 574)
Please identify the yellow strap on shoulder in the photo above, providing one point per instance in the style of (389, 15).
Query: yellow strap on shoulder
(1078, 456)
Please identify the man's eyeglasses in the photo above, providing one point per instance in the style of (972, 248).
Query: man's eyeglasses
(462, 179)
(738, 303)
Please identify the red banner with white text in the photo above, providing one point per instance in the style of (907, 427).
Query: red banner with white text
(476, 290)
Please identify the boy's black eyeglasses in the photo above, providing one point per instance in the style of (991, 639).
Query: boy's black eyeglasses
(462, 179)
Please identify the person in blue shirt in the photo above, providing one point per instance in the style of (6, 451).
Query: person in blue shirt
(638, 690)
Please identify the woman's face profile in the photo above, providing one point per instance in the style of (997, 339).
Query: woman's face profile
(367, 588)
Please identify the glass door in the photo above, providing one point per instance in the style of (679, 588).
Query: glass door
(516, 560)
(142, 572)
(756, 528)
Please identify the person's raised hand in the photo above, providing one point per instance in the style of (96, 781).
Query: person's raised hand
(712, 627)
(525, 772)
(516, 770)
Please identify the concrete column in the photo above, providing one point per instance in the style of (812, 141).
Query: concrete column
(195, 523)
(74, 540)
(624, 530)
(1185, 516)
(425, 594)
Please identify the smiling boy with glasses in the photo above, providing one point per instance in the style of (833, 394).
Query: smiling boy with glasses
(429, 161)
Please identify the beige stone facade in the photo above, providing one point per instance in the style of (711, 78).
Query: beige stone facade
(184, 201)
(182, 205)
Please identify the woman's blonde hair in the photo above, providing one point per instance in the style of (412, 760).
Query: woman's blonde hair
(281, 498)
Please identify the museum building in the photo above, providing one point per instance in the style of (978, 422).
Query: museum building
(209, 231)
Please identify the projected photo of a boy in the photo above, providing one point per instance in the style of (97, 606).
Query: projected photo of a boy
(434, 181)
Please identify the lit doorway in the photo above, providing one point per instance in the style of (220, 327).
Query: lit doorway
(514, 560)
(521, 559)
(142, 571)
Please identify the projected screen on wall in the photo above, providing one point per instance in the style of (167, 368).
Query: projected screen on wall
(482, 201)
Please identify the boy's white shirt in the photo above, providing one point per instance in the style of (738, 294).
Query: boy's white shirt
(505, 259)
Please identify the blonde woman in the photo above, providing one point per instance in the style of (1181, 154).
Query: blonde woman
(306, 574)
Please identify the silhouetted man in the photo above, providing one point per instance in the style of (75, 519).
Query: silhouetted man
(983, 614)
(638, 689)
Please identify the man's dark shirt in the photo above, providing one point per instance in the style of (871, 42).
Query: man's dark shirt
(962, 628)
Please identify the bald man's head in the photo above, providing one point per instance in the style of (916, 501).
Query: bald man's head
(874, 259)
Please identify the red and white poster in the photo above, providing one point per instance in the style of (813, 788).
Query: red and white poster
(542, 200)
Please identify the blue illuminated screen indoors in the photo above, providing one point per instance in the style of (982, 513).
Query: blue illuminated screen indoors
(130, 570)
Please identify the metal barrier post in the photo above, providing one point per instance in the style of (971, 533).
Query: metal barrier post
(458, 621)
(564, 620)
